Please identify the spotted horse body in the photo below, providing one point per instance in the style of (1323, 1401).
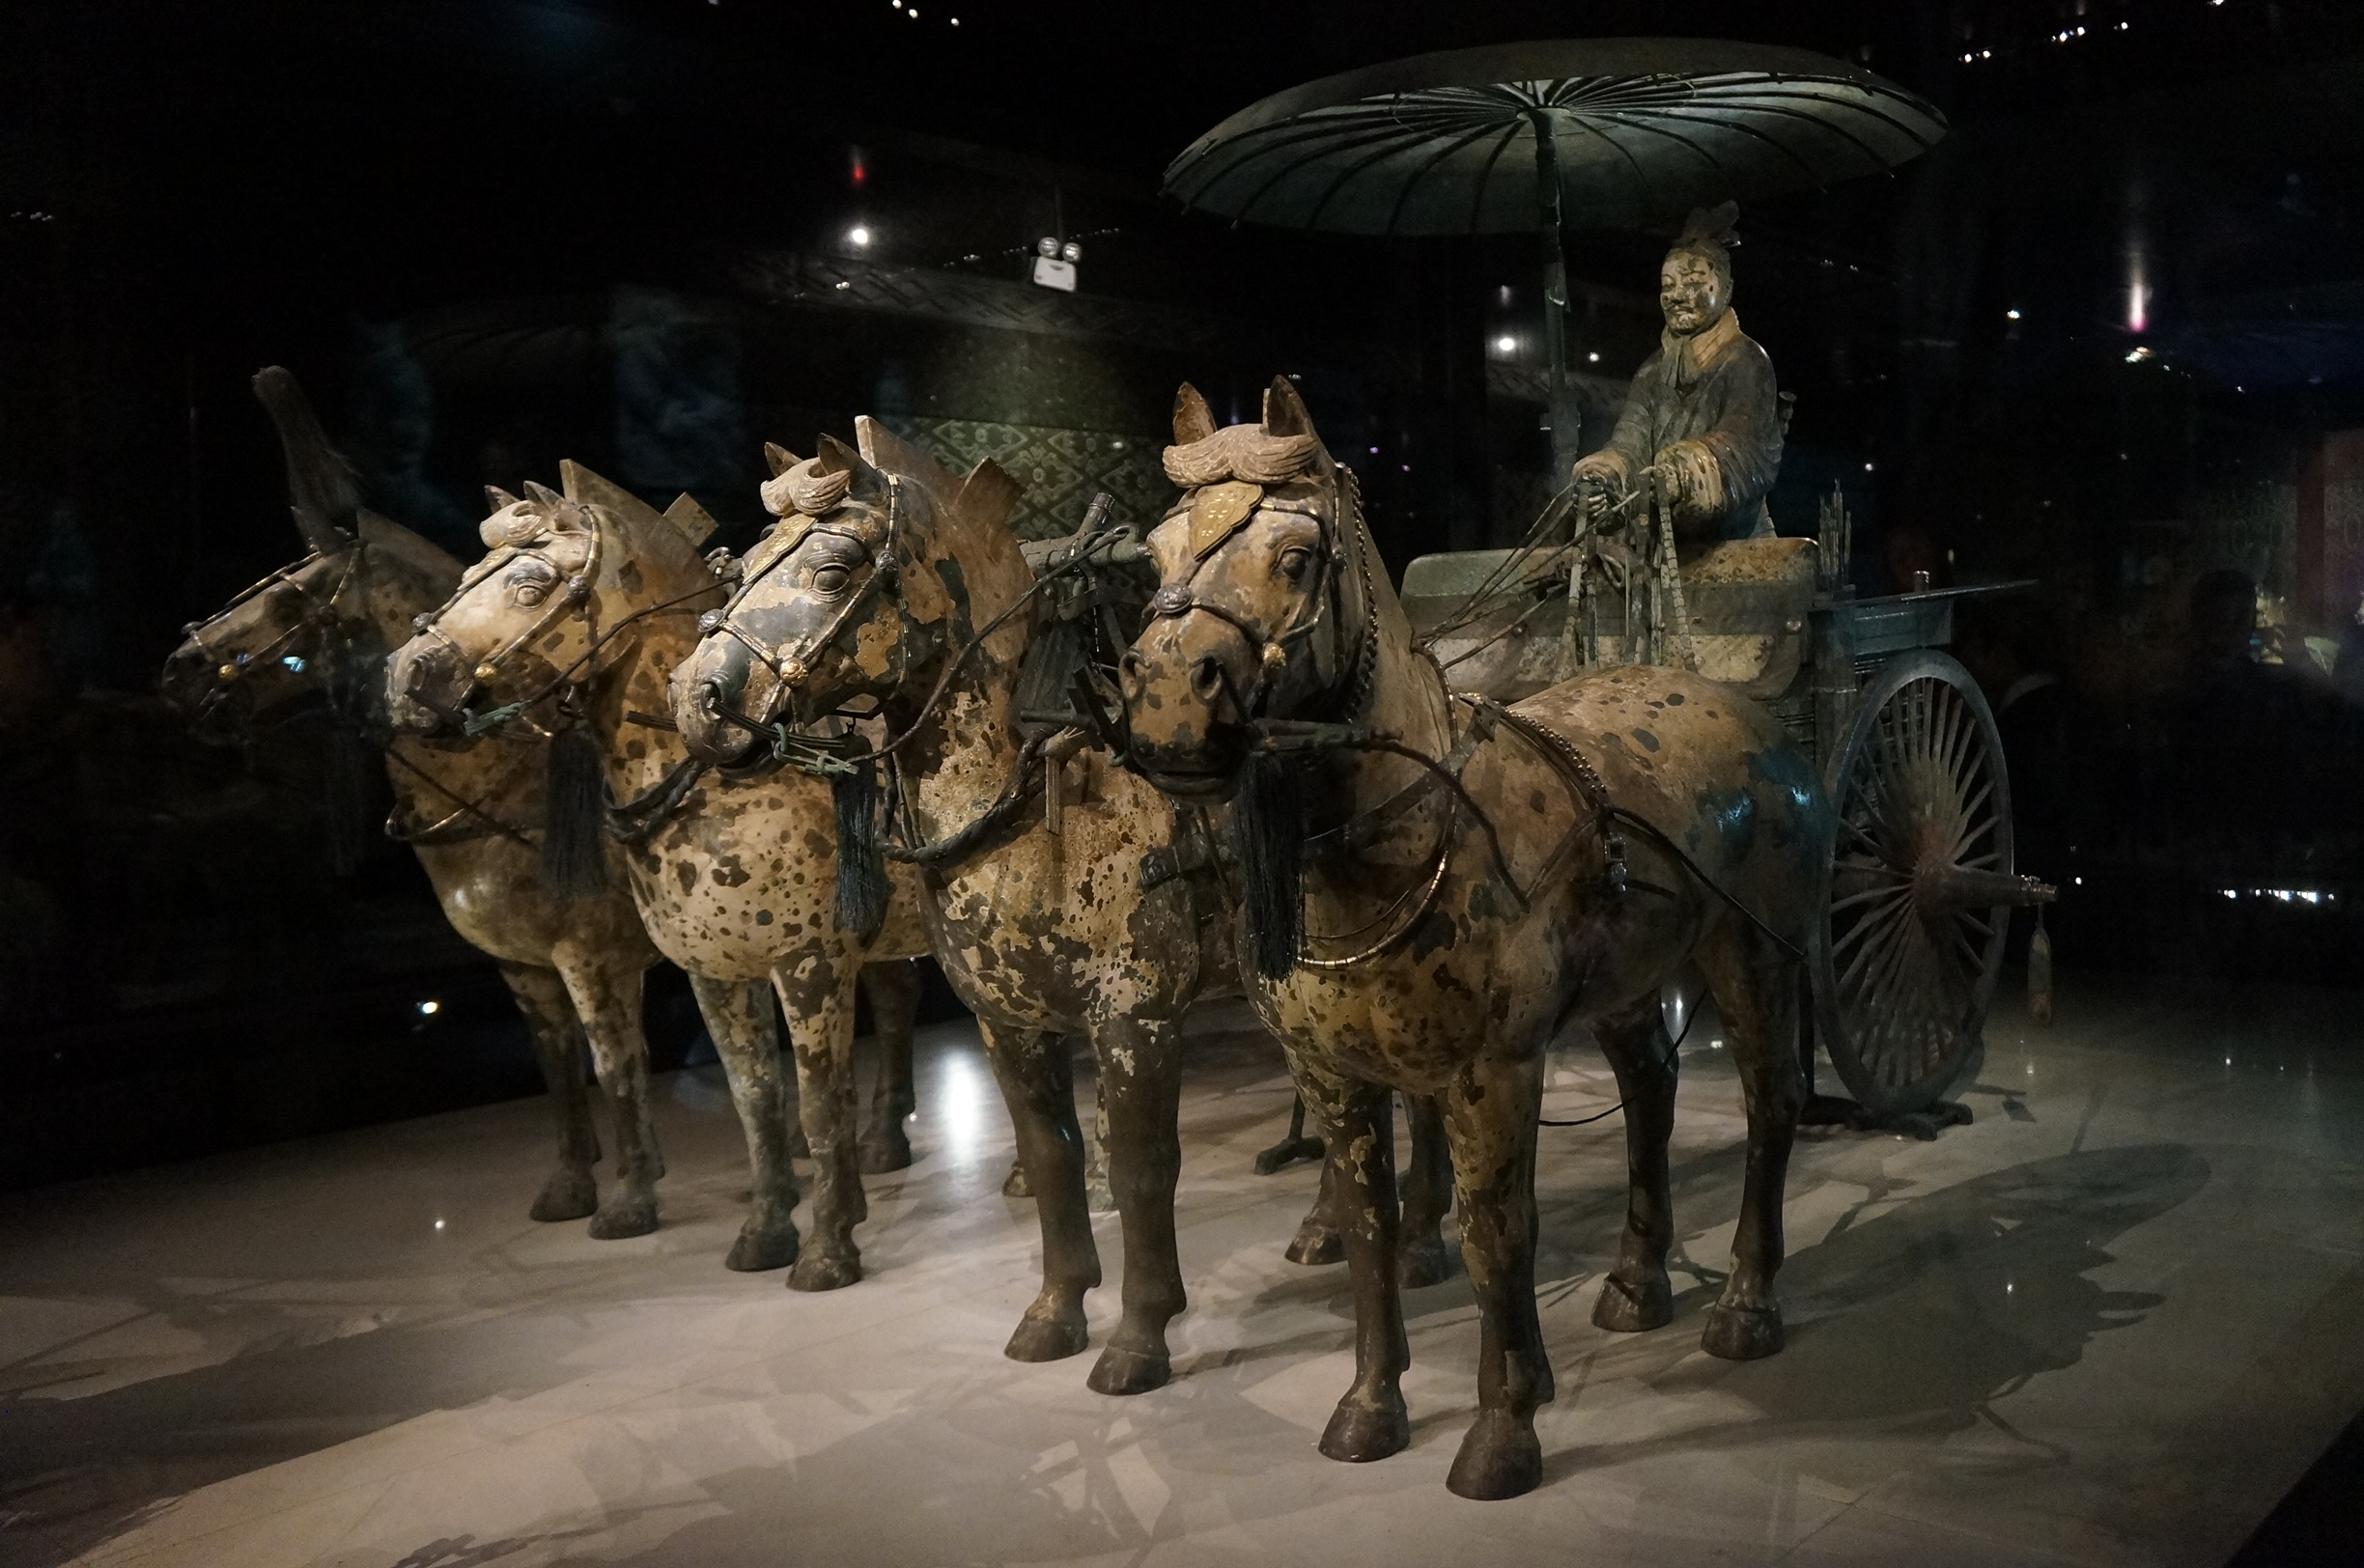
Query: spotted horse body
(312, 638)
(889, 580)
(571, 624)
(1471, 878)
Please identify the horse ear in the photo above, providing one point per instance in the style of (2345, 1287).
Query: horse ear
(1194, 421)
(542, 496)
(497, 499)
(780, 459)
(1284, 411)
(838, 458)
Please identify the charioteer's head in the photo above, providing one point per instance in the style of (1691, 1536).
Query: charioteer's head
(1695, 281)
(1262, 613)
(516, 636)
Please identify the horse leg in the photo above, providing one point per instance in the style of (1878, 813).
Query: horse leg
(1490, 1115)
(1098, 1195)
(1357, 1126)
(1427, 1193)
(606, 997)
(820, 1008)
(1756, 994)
(738, 1018)
(1141, 1097)
(1320, 1237)
(1037, 1082)
(1636, 1296)
(572, 1191)
(894, 990)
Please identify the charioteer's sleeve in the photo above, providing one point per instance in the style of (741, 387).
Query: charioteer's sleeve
(1630, 448)
(1743, 437)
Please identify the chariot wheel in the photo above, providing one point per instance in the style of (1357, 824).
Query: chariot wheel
(1921, 885)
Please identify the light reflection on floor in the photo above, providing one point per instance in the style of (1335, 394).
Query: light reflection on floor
(2108, 1323)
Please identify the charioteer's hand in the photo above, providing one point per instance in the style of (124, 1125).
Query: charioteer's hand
(1600, 484)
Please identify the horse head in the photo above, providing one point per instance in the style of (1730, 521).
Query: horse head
(559, 599)
(319, 625)
(1263, 611)
(850, 598)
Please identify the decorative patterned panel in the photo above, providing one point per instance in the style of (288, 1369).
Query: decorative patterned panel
(1061, 469)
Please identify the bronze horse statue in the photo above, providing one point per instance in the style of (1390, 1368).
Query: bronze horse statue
(570, 626)
(891, 583)
(1431, 885)
(319, 631)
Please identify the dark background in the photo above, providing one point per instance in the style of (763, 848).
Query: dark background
(493, 233)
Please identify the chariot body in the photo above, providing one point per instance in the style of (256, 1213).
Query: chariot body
(1903, 962)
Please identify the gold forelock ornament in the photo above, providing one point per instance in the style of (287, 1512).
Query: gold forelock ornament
(1218, 509)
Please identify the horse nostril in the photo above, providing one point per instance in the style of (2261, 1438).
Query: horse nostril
(1206, 677)
(710, 697)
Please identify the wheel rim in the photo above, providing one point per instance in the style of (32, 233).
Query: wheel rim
(1906, 968)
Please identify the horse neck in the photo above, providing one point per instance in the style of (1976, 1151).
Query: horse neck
(964, 749)
(630, 675)
(1407, 703)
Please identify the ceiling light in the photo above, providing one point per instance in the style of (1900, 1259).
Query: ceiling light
(858, 234)
(1505, 343)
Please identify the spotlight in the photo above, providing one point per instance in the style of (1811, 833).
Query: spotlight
(1071, 252)
(859, 236)
(1046, 248)
(2012, 315)
(430, 1008)
(1505, 343)
(1593, 357)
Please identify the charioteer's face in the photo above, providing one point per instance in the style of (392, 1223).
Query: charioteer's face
(1691, 292)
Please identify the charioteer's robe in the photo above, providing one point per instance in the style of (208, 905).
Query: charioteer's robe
(1705, 406)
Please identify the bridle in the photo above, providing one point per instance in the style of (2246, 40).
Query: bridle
(792, 665)
(228, 669)
(573, 597)
(1321, 606)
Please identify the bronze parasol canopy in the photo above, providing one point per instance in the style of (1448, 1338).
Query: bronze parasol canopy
(1602, 132)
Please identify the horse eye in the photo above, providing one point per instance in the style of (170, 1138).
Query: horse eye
(530, 593)
(1294, 560)
(831, 579)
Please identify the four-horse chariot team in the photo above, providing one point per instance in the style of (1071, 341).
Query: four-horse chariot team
(884, 732)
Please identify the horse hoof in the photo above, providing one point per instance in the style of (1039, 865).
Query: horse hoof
(570, 1194)
(1015, 1185)
(1628, 1308)
(1122, 1371)
(757, 1250)
(825, 1271)
(884, 1151)
(1047, 1339)
(1359, 1433)
(1316, 1243)
(624, 1214)
(1742, 1334)
(1500, 1458)
(1424, 1263)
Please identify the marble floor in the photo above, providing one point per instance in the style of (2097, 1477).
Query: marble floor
(2108, 1323)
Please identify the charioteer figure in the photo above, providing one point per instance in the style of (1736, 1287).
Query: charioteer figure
(1702, 416)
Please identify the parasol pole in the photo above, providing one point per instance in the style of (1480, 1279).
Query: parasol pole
(1566, 423)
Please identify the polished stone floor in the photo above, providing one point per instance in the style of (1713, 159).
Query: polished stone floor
(2109, 1322)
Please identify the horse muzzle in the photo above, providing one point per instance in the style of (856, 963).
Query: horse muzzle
(1182, 709)
(427, 684)
(708, 696)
